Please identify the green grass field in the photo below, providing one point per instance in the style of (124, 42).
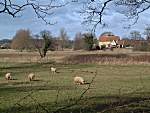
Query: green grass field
(116, 88)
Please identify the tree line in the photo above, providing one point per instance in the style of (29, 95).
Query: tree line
(44, 41)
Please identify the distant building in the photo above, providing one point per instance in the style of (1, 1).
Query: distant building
(5, 43)
(108, 40)
(5, 46)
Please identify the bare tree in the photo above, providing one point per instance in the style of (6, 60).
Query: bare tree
(95, 10)
(135, 35)
(22, 40)
(41, 9)
(64, 39)
(43, 42)
(78, 42)
(147, 33)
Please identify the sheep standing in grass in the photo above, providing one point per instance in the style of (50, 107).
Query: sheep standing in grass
(31, 76)
(53, 69)
(8, 76)
(79, 80)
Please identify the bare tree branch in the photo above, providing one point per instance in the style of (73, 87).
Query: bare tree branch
(92, 11)
(95, 10)
(102, 10)
(42, 10)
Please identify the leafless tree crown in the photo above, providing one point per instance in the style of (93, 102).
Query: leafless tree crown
(95, 10)
(41, 9)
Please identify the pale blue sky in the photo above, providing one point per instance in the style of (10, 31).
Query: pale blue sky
(68, 18)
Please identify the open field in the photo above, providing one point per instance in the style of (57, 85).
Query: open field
(59, 56)
(116, 88)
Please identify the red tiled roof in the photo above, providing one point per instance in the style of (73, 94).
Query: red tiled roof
(106, 38)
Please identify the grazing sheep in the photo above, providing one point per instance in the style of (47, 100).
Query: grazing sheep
(53, 69)
(8, 76)
(31, 76)
(79, 80)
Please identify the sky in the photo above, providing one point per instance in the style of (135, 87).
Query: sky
(68, 18)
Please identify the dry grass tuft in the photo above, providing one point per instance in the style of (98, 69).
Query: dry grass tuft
(107, 59)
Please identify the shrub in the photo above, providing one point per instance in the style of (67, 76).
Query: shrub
(89, 41)
(143, 47)
(107, 59)
(103, 47)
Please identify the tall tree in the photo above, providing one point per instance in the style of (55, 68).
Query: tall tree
(89, 40)
(147, 33)
(46, 35)
(64, 39)
(135, 35)
(22, 40)
(43, 42)
(78, 41)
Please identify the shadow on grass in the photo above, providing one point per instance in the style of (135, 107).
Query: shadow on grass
(112, 104)
(89, 105)
(27, 86)
(37, 80)
(14, 79)
(27, 65)
(13, 82)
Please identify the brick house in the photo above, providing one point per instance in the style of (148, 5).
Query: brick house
(108, 41)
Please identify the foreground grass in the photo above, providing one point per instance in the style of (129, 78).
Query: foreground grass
(115, 89)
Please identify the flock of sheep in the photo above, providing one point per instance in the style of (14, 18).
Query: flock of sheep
(31, 76)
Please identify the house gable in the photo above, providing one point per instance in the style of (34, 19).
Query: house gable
(108, 40)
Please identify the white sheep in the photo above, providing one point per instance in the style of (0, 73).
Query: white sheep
(79, 80)
(31, 76)
(53, 69)
(8, 76)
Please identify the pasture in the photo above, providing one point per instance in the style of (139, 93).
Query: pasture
(115, 88)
